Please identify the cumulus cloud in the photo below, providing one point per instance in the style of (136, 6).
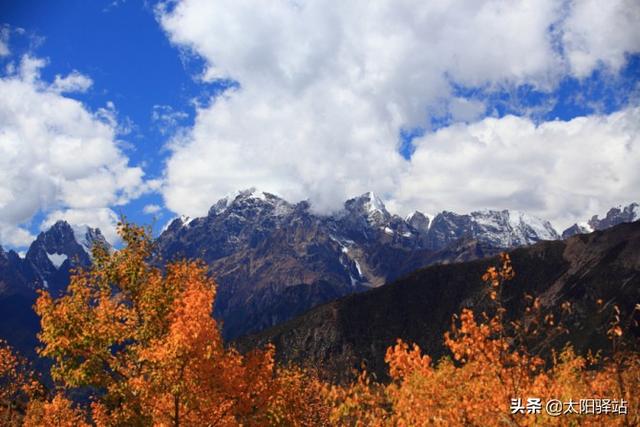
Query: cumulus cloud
(56, 156)
(74, 82)
(325, 87)
(166, 119)
(561, 171)
(151, 209)
(466, 110)
(4, 40)
(598, 32)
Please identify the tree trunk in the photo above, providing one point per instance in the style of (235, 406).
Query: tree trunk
(176, 411)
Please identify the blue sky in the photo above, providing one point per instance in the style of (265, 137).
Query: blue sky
(131, 62)
(270, 85)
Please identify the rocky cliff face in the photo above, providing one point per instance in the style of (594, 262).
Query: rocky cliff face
(46, 266)
(273, 259)
(498, 229)
(18, 322)
(613, 217)
(270, 258)
(58, 250)
(417, 308)
(616, 216)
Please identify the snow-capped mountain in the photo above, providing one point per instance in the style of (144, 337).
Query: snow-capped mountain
(46, 265)
(368, 207)
(419, 221)
(614, 216)
(497, 229)
(59, 249)
(274, 259)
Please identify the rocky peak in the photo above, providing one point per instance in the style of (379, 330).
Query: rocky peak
(576, 229)
(446, 228)
(58, 241)
(497, 229)
(616, 216)
(17, 275)
(419, 221)
(219, 207)
(368, 206)
(87, 237)
(62, 247)
(251, 202)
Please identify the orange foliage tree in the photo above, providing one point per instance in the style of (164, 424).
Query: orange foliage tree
(57, 412)
(492, 363)
(18, 385)
(144, 344)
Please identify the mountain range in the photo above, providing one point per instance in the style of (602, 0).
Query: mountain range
(593, 272)
(274, 260)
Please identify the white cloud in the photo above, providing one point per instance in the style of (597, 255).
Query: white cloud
(466, 110)
(5, 32)
(151, 209)
(166, 118)
(15, 236)
(74, 82)
(561, 171)
(601, 32)
(326, 86)
(56, 156)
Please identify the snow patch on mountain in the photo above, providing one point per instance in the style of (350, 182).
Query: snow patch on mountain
(368, 206)
(358, 268)
(186, 220)
(524, 223)
(507, 229)
(374, 203)
(86, 237)
(56, 259)
(80, 236)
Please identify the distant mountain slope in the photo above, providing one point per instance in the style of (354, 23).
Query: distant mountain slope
(418, 308)
(613, 217)
(46, 266)
(274, 260)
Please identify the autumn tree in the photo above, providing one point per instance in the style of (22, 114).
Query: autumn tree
(493, 360)
(56, 412)
(143, 344)
(18, 385)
